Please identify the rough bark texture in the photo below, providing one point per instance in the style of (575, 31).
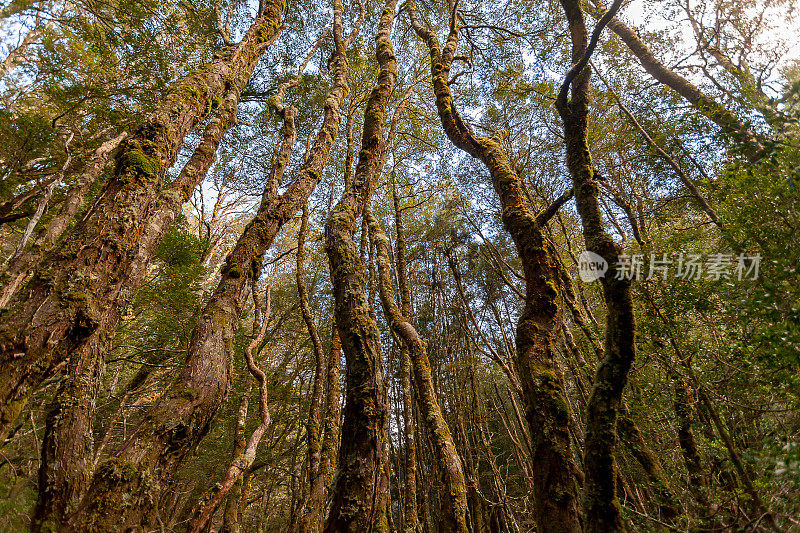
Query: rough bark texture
(181, 416)
(710, 108)
(453, 492)
(313, 428)
(361, 494)
(555, 473)
(19, 267)
(64, 304)
(67, 445)
(74, 402)
(247, 455)
(601, 506)
(63, 465)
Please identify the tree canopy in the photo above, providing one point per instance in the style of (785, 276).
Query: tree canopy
(454, 266)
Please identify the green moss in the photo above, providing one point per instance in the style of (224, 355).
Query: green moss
(551, 287)
(116, 470)
(138, 160)
(184, 393)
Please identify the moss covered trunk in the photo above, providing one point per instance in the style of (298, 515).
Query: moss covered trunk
(65, 301)
(68, 444)
(555, 473)
(360, 496)
(453, 494)
(633, 440)
(124, 485)
(601, 505)
(74, 402)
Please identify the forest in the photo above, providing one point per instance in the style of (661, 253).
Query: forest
(453, 266)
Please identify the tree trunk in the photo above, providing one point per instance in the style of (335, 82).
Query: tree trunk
(230, 521)
(243, 460)
(632, 437)
(410, 518)
(181, 417)
(65, 302)
(73, 406)
(454, 490)
(684, 407)
(68, 443)
(601, 506)
(555, 473)
(360, 496)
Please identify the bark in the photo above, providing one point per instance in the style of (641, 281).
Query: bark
(601, 505)
(244, 460)
(65, 302)
(330, 442)
(360, 496)
(180, 418)
(723, 117)
(21, 265)
(68, 444)
(313, 428)
(454, 489)
(555, 473)
(78, 191)
(74, 405)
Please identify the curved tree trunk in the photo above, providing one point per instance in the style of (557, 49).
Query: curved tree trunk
(454, 489)
(181, 417)
(555, 473)
(361, 493)
(601, 505)
(243, 460)
(73, 406)
(66, 300)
